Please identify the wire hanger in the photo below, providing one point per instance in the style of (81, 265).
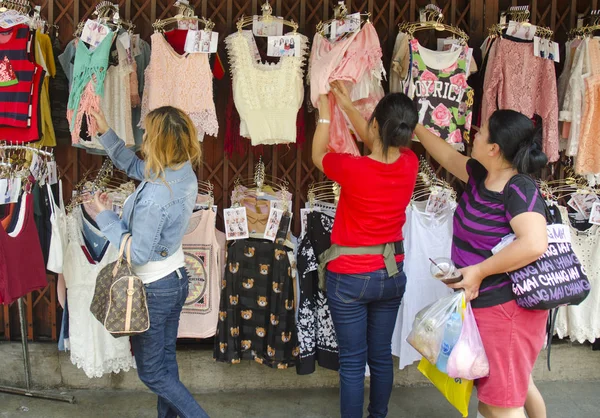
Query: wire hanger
(433, 19)
(323, 192)
(340, 13)
(583, 31)
(21, 6)
(108, 14)
(267, 16)
(519, 14)
(185, 12)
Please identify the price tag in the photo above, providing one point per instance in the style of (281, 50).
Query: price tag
(52, 172)
(438, 201)
(136, 49)
(595, 214)
(94, 32)
(284, 46)
(11, 18)
(35, 166)
(236, 223)
(201, 42)
(273, 222)
(187, 24)
(272, 28)
(521, 31)
(304, 221)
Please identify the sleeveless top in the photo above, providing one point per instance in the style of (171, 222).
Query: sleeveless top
(88, 66)
(267, 95)
(24, 270)
(202, 252)
(441, 93)
(182, 81)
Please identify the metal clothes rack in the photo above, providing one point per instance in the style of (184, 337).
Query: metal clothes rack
(28, 391)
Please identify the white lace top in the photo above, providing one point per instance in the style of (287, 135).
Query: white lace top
(267, 96)
(582, 322)
(92, 348)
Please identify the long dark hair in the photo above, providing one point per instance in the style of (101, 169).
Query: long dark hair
(519, 139)
(397, 117)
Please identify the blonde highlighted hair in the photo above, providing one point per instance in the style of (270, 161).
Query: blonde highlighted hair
(170, 141)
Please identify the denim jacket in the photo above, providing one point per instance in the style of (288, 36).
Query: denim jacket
(156, 215)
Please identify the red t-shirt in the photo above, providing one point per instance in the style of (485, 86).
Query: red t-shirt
(372, 205)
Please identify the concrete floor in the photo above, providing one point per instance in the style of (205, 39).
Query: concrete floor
(565, 400)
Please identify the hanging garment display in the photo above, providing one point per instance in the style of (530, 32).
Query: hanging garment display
(44, 56)
(92, 348)
(440, 91)
(582, 322)
(21, 81)
(426, 236)
(517, 79)
(203, 263)
(89, 71)
(182, 81)
(356, 60)
(23, 268)
(316, 333)
(256, 315)
(267, 96)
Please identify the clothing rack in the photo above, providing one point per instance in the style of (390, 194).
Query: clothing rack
(27, 391)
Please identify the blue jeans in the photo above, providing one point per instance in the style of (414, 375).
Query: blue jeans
(154, 350)
(364, 308)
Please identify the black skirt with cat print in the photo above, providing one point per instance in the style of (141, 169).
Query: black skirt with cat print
(257, 312)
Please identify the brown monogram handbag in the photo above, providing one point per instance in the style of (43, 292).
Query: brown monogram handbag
(119, 301)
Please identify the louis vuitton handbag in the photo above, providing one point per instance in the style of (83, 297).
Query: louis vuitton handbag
(119, 301)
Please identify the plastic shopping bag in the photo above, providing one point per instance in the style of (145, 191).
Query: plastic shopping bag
(457, 391)
(428, 327)
(468, 359)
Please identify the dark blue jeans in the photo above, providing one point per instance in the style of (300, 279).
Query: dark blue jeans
(154, 350)
(364, 308)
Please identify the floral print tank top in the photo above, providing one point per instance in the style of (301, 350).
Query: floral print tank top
(443, 98)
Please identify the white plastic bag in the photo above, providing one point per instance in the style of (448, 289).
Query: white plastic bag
(428, 327)
(468, 359)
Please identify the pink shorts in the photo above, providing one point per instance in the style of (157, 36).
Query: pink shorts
(513, 338)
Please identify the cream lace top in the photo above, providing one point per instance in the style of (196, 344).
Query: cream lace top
(182, 81)
(267, 96)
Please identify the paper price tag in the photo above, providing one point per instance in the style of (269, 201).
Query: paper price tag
(52, 172)
(595, 214)
(136, 49)
(11, 18)
(585, 202)
(438, 201)
(187, 24)
(521, 31)
(304, 221)
(35, 166)
(284, 46)
(94, 32)
(272, 28)
(201, 42)
(278, 204)
(273, 222)
(236, 223)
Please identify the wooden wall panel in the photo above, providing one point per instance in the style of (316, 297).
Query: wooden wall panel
(292, 163)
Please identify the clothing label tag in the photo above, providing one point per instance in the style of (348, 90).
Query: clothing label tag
(519, 30)
(574, 206)
(503, 243)
(278, 204)
(340, 27)
(438, 201)
(284, 46)
(12, 18)
(135, 45)
(273, 28)
(36, 165)
(546, 49)
(595, 214)
(94, 32)
(52, 173)
(4, 196)
(275, 216)
(15, 189)
(503, 18)
(187, 24)
(236, 223)
(304, 221)
(125, 41)
(585, 202)
(201, 41)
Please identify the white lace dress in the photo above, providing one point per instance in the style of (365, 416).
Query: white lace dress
(92, 348)
(582, 322)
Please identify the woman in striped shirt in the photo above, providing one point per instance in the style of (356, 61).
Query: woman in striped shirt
(500, 199)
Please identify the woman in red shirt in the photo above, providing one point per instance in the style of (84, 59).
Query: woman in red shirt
(364, 292)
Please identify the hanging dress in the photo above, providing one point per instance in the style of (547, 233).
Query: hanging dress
(256, 314)
(93, 348)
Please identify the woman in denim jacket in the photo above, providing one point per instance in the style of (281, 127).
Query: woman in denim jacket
(157, 216)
